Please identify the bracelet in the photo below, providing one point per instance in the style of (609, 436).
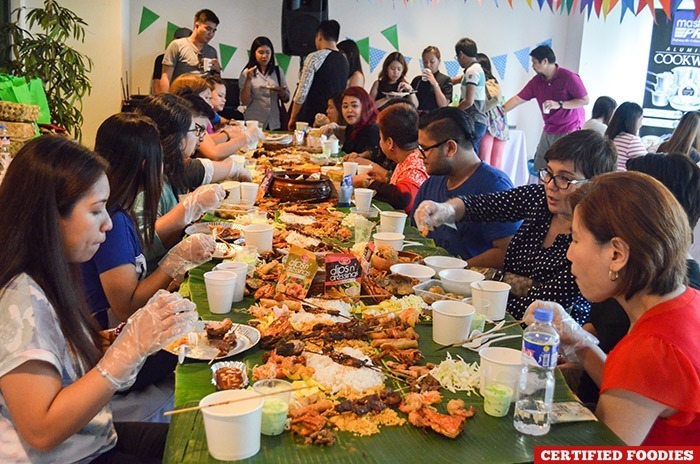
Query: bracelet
(228, 137)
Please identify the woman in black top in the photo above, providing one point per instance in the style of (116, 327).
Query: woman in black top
(392, 78)
(433, 88)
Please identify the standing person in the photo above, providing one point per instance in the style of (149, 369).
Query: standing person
(324, 74)
(495, 139)
(445, 139)
(561, 96)
(623, 129)
(473, 99)
(392, 78)
(55, 381)
(188, 55)
(603, 109)
(262, 84)
(433, 88)
(685, 137)
(356, 78)
(181, 33)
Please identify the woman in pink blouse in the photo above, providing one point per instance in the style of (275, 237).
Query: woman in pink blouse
(623, 129)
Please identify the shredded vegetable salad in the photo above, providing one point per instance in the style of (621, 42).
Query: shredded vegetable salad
(455, 374)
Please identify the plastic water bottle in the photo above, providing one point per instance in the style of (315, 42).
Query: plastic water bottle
(533, 407)
(5, 157)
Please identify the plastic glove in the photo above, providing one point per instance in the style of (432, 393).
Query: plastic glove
(239, 174)
(430, 215)
(329, 129)
(253, 134)
(321, 120)
(572, 337)
(202, 200)
(165, 317)
(188, 254)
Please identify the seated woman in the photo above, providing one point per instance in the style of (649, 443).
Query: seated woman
(333, 115)
(685, 137)
(398, 139)
(361, 134)
(433, 88)
(623, 129)
(631, 238)
(392, 78)
(349, 49)
(218, 101)
(54, 356)
(602, 112)
(536, 257)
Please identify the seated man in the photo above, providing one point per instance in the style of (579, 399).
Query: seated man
(445, 139)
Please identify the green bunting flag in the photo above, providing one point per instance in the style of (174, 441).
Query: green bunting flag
(363, 45)
(392, 35)
(147, 18)
(170, 33)
(283, 61)
(227, 52)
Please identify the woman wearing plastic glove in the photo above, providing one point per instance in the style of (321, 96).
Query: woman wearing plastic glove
(630, 241)
(48, 344)
(538, 250)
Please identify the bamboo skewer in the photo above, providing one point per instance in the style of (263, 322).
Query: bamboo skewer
(494, 330)
(221, 403)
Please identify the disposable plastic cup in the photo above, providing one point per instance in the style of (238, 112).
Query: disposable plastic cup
(241, 271)
(251, 123)
(220, 286)
(481, 306)
(233, 188)
(393, 221)
(330, 147)
(275, 406)
(497, 398)
(363, 169)
(302, 126)
(451, 321)
(392, 239)
(239, 160)
(233, 430)
(259, 235)
(363, 199)
(249, 191)
(497, 295)
(499, 365)
(349, 168)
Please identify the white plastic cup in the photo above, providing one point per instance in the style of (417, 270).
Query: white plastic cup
(249, 191)
(259, 235)
(241, 271)
(302, 126)
(497, 295)
(207, 63)
(363, 169)
(451, 321)
(239, 160)
(220, 286)
(251, 123)
(233, 430)
(545, 109)
(501, 365)
(393, 221)
(233, 188)
(330, 147)
(392, 239)
(363, 199)
(349, 168)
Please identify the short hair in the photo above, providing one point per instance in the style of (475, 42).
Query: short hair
(590, 152)
(399, 121)
(390, 58)
(542, 52)
(329, 30)
(466, 46)
(368, 115)
(684, 135)
(182, 32)
(449, 123)
(643, 213)
(206, 16)
(624, 120)
(189, 82)
(352, 54)
(431, 49)
(678, 173)
(604, 107)
(199, 107)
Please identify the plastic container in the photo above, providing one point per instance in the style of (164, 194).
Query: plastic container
(533, 406)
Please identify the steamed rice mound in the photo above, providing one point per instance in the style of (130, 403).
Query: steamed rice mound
(336, 378)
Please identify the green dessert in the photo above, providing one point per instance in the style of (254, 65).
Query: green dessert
(274, 415)
(497, 398)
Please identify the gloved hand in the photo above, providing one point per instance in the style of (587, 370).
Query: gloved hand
(165, 317)
(430, 215)
(202, 200)
(321, 120)
(239, 173)
(329, 129)
(253, 134)
(572, 337)
(188, 254)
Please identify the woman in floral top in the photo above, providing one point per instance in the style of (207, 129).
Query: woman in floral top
(398, 139)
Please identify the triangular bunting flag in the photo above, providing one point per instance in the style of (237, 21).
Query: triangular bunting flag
(626, 5)
(283, 61)
(500, 62)
(529, 3)
(452, 68)
(363, 46)
(147, 18)
(674, 6)
(523, 56)
(170, 33)
(666, 5)
(392, 35)
(547, 42)
(569, 5)
(227, 52)
(551, 5)
(589, 5)
(540, 3)
(643, 3)
(597, 6)
(408, 60)
(375, 57)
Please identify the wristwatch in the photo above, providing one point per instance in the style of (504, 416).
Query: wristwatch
(561, 104)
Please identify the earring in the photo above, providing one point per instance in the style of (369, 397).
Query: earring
(613, 275)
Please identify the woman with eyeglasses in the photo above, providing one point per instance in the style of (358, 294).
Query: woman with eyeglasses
(535, 261)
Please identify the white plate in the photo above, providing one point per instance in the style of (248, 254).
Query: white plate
(248, 337)
(277, 137)
(398, 94)
(203, 227)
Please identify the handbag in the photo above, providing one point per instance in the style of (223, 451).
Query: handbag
(284, 112)
(493, 94)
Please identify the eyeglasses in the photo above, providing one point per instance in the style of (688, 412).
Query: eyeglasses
(424, 150)
(560, 181)
(199, 130)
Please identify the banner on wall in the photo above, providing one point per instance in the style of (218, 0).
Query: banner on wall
(673, 72)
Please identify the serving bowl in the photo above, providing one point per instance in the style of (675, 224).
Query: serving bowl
(440, 263)
(286, 187)
(459, 280)
(415, 271)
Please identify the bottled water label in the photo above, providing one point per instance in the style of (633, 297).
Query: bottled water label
(543, 354)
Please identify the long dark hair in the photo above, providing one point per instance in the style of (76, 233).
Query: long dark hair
(684, 136)
(394, 56)
(352, 54)
(46, 179)
(624, 120)
(173, 118)
(485, 62)
(130, 143)
(257, 43)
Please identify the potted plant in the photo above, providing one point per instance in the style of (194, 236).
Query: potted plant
(41, 51)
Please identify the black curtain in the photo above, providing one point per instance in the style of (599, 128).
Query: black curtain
(4, 37)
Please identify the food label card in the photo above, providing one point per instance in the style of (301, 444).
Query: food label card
(343, 276)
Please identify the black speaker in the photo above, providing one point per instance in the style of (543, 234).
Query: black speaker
(300, 18)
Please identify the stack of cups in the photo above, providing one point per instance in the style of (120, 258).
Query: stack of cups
(363, 199)
(392, 221)
(221, 286)
(241, 271)
(252, 145)
(249, 193)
